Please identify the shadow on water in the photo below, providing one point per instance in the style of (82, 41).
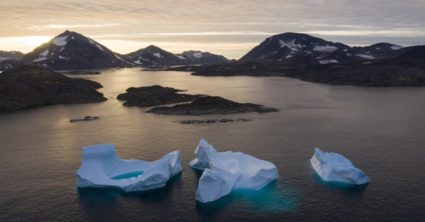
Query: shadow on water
(349, 190)
(271, 198)
(105, 204)
(112, 194)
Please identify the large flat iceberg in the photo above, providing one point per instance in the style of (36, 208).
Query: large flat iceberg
(227, 171)
(102, 168)
(333, 167)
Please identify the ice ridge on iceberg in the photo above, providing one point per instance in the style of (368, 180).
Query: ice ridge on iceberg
(227, 171)
(102, 168)
(334, 167)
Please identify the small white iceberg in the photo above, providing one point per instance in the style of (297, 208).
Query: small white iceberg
(227, 171)
(333, 167)
(102, 168)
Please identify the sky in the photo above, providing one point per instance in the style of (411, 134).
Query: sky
(227, 27)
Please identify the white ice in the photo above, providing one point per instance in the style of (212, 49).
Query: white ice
(365, 56)
(39, 59)
(198, 55)
(227, 171)
(325, 48)
(328, 61)
(333, 167)
(157, 54)
(396, 47)
(44, 53)
(290, 45)
(60, 41)
(119, 57)
(102, 168)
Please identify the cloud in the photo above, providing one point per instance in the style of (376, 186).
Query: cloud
(70, 26)
(217, 21)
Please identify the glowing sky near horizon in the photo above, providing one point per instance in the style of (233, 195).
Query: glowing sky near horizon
(228, 27)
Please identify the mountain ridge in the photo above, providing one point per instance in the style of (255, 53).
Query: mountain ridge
(74, 51)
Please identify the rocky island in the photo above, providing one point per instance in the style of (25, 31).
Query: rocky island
(209, 105)
(185, 104)
(31, 86)
(156, 95)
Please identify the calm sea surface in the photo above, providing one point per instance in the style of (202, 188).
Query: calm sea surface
(382, 130)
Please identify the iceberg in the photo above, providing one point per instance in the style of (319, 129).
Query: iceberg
(227, 171)
(334, 167)
(102, 168)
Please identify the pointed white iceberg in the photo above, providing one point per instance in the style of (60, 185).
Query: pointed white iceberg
(227, 171)
(333, 167)
(102, 168)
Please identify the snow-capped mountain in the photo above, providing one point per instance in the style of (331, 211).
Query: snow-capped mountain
(201, 58)
(6, 55)
(297, 47)
(153, 57)
(73, 51)
(377, 51)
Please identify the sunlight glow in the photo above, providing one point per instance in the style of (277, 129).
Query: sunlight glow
(22, 43)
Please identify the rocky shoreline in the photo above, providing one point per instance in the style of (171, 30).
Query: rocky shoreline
(210, 105)
(31, 86)
(212, 121)
(156, 95)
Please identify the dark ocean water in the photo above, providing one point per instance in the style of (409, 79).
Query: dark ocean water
(382, 130)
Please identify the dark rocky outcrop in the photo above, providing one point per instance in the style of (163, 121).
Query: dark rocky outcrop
(31, 86)
(209, 105)
(154, 96)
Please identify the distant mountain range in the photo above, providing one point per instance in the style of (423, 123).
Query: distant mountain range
(289, 54)
(155, 57)
(314, 59)
(73, 51)
(5, 55)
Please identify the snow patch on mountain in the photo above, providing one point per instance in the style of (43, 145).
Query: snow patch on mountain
(198, 55)
(157, 54)
(325, 48)
(44, 53)
(118, 57)
(290, 45)
(364, 56)
(60, 41)
(395, 47)
(328, 61)
(97, 45)
(40, 59)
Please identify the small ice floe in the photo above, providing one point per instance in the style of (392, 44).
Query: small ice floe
(227, 171)
(102, 168)
(334, 167)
